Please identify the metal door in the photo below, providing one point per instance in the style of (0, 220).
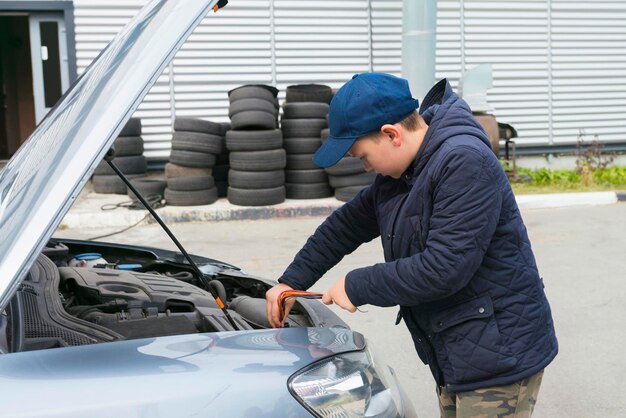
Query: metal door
(48, 45)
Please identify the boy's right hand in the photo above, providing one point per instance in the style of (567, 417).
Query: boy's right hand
(271, 304)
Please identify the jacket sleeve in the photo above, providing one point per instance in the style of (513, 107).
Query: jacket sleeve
(466, 209)
(340, 234)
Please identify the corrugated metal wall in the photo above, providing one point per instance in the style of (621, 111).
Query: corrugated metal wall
(97, 22)
(559, 66)
(588, 62)
(513, 37)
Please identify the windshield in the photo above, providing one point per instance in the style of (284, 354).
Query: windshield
(40, 182)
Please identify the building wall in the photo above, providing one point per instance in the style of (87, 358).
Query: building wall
(559, 66)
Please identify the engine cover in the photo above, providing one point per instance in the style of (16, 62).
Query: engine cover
(164, 293)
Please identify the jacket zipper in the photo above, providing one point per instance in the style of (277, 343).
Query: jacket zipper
(392, 235)
(439, 378)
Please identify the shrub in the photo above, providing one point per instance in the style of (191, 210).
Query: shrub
(589, 159)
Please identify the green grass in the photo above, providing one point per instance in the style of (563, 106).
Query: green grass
(544, 180)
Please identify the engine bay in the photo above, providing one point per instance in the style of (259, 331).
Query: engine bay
(70, 297)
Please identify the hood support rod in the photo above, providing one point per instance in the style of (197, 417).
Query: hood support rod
(109, 157)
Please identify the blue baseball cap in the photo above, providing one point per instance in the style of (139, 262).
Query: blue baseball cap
(361, 107)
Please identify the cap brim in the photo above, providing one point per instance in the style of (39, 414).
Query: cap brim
(332, 150)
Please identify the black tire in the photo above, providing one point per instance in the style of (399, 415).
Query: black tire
(111, 184)
(198, 125)
(132, 128)
(259, 140)
(190, 198)
(306, 176)
(220, 172)
(195, 141)
(225, 127)
(346, 166)
(309, 93)
(174, 170)
(131, 164)
(192, 158)
(253, 91)
(256, 197)
(256, 179)
(308, 190)
(147, 187)
(253, 119)
(300, 162)
(305, 110)
(361, 179)
(185, 184)
(128, 145)
(324, 134)
(301, 145)
(347, 193)
(302, 128)
(258, 160)
(243, 105)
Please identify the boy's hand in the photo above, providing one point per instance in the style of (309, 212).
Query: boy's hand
(271, 304)
(337, 295)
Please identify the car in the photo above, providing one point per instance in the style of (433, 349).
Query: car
(94, 329)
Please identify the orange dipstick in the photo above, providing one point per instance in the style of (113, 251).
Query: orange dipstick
(220, 4)
(287, 294)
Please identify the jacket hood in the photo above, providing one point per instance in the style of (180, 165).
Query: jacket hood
(447, 115)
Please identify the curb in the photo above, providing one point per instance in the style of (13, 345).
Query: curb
(560, 200)
(88, 214)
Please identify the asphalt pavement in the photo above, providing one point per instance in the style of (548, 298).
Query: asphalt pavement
(580, 252)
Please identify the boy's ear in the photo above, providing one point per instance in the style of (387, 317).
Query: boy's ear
(391, 133)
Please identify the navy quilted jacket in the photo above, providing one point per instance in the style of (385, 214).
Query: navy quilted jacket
(457, 256)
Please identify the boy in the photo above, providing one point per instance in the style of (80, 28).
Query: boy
(458, 260)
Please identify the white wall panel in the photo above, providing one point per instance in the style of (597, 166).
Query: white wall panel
(96, 23)
(228, 49)
(324, 41)
(559, 66)
(589, 70)
(386, 18)
(513, 37)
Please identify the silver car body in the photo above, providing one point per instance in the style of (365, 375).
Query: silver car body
(235, 374)
(228, 374)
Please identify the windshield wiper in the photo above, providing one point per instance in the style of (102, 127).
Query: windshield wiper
(109, 159)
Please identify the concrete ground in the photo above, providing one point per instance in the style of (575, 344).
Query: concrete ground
(580, 252)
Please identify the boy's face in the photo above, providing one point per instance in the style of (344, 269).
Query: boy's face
(379, 154)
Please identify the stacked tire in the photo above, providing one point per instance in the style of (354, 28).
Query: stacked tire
(196, 145)
(257, 158)
(128, 158)
(304, 116)
(348, 177)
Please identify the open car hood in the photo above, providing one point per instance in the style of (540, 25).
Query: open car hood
(42, 180)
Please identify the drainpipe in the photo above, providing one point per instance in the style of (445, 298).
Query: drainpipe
(419, 24)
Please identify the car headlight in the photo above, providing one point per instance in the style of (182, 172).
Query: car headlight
(348, 385)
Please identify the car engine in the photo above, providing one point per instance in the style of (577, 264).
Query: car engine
(61, 303)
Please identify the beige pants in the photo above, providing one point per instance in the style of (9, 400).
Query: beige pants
(516, 400)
